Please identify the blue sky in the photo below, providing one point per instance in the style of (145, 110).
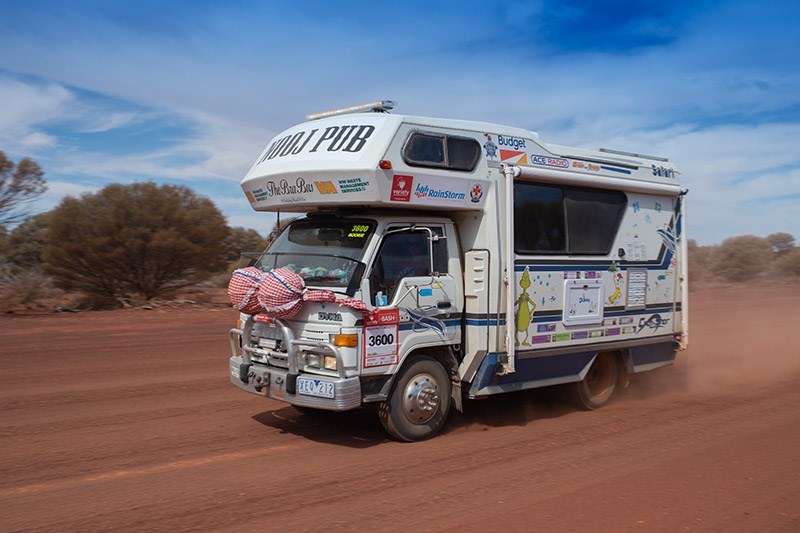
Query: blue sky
(189, 92)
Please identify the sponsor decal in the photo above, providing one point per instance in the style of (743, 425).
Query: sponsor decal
(580, 335)
(628, 330)
(347, 138)
(490, 147)
(380, 338)
(655, 322)
(326, 187)
(476, 193)
(539, 339)
(250, 197)
(612, 331)
(561, 337)
(514, 143)
(514, 157)
(401, 188)
(350, 185)
(596, 333)
(585, 166)
(542, 328)
(282, 188)
(549, 161)
(425, 191)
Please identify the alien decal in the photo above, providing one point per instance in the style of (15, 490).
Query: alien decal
(616, 276)
(525, 308)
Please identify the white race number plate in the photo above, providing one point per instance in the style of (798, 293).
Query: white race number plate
(315, 387)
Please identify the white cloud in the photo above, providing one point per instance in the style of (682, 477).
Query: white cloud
(37, 139)
(110, 122)
(26, 106)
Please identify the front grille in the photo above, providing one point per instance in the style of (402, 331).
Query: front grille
(269, 345)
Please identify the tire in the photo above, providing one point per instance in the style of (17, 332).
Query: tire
(597, 387)
(419, 402)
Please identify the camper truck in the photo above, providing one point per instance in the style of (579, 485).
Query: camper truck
(485, 261)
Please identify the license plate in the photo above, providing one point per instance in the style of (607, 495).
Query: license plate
(315, 387)
(235, 371)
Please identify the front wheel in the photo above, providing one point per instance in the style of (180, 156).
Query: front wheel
(596, 388)
(419, 402)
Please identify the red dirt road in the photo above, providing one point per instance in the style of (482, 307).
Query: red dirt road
(126, 421)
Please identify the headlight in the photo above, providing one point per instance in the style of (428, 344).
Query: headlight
(330, 362)
(312, 359)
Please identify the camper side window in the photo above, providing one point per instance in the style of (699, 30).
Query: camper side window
(435, 150)
(550, 219)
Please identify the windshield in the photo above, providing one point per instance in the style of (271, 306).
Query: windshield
(325, 252)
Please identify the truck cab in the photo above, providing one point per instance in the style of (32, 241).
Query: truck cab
(331, 357)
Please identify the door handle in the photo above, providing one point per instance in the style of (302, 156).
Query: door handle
(444, 304)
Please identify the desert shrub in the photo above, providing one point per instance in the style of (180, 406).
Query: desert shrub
(138, 239)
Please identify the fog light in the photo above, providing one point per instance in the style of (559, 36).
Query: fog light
(330, 362)
(349, 340)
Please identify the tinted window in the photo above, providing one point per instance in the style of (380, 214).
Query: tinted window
(462, 154)
(539, 218)
(425, 149)
(592, 219)
(441, 151)
(552, 219)
(401, 255)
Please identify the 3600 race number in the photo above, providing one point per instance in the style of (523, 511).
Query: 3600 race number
(381, 340)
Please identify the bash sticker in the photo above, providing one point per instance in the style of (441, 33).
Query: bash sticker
(380, 338)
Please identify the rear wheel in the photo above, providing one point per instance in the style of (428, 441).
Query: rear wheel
(596, 388)
(419, 402)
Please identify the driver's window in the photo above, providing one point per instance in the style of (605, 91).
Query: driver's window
(402, 255)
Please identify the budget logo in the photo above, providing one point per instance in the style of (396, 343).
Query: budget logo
(513, 157)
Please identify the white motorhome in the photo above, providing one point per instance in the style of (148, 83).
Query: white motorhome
(489, 262)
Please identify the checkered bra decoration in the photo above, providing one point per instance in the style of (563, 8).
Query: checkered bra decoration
(280, 293)
(243, 289)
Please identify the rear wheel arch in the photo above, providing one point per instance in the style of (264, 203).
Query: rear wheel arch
(598, 385)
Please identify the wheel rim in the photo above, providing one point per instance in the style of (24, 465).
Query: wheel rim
(421, 398)
(598, 380)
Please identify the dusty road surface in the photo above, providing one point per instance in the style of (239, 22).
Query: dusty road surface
(126, 421)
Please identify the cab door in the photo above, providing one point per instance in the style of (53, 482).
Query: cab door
(411, 274)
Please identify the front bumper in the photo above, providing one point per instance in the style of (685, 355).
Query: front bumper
(333, 393)
(272, 383)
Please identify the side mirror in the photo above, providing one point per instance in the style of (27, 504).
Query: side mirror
(355, 279)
